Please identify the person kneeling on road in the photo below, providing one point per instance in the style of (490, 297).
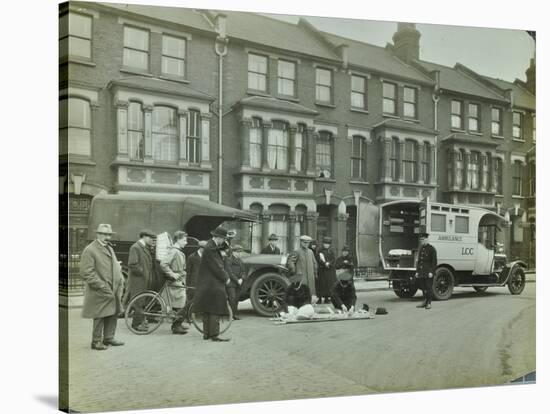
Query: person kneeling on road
(343, 291)
(297, 294)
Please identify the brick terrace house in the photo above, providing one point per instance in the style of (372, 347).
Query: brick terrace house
(316, 130)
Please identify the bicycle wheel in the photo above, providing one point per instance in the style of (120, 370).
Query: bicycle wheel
(145, 313)
(225, 320)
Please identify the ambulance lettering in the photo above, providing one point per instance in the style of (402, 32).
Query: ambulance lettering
(467, 251)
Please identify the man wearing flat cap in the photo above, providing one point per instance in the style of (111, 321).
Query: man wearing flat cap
(425, 269)
(302, 263)
(103, 285)
(140, 275)
(271, 247)
(211, 296)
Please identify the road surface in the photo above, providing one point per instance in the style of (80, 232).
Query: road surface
(469, 341)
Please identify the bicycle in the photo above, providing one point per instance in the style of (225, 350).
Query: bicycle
(156, 309)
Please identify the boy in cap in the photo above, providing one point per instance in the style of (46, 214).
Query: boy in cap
(235, 268)
(343, 292)
(173, 266)
(425, 269)
(271, 248)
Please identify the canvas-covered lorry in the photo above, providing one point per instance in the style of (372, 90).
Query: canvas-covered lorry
(264, 280)
(467, 240)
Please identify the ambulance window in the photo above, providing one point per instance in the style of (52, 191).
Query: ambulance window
(462, 225)
(438, 222)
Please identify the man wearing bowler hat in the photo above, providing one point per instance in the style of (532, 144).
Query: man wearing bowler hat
(271, 247)
(103, 285)
(211, 296)
(425, 269)
(140, 275)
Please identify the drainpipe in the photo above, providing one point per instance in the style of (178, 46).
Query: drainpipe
(220, 48)
(435, 98)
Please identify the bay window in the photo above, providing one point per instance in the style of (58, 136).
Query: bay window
(165, 134)
(277, 146)
(256, 143)
(136, 144)
(193, 137)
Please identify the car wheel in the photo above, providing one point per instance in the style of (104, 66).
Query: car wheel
(443, 284)
(516, 283)
(267, 293)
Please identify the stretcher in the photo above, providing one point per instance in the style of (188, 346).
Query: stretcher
(324, 317)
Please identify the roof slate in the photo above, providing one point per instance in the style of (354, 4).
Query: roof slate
(277, 104)
(522, 97)
(278, 34)
(377, 58)
(159, 85)
(177, 15)
(453, 80)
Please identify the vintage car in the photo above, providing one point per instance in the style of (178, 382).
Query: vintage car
(466, 239)
(265, 278)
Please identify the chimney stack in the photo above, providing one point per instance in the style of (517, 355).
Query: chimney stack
(531, 74)
(407, 42)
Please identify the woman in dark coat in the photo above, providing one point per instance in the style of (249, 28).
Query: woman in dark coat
(211, 296)
(346, 261)
(327, 272)
(315, 250)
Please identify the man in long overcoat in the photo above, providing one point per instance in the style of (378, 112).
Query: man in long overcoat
(211, 296)
(425, 269)
(302, 262)
(103, 285)
(140, 275)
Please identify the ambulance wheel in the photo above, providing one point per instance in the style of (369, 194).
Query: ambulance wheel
(516, 283)
(480, 289)
(443, 284)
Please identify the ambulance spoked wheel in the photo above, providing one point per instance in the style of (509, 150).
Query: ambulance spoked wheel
(443, 284)
(516, 283)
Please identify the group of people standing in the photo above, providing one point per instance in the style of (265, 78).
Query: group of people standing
(314, 273)
(211, 276)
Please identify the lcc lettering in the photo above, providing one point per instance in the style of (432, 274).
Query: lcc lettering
(467, 251)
